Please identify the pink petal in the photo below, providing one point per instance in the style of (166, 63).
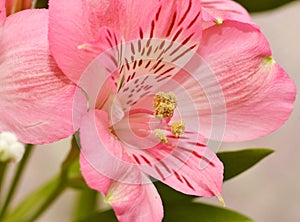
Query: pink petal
(176, 20)
(131, 202)
(98, 79)
(265, 113)
(103, 151)
(71, 29)
(201, 175)
(81, 24)
(93, 178)
(163, 34)
(2, 15)
(137, 203)
(108, 169)
(133, 69)
(67, 30)
(218, 11)
(36, 98)
(123, 16)
(184, 163)
(259, 95)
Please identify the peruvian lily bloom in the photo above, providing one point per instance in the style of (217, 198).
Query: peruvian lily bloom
(159, 88)
(35, 96)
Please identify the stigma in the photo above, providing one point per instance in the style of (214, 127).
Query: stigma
(161, 136)
(177, 128)
(164, 104)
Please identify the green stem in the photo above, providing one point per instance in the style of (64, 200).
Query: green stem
(3, 167)
(63, 181)
(16, 180)
(86, 204)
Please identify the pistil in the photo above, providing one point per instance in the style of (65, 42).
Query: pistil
(161, 136)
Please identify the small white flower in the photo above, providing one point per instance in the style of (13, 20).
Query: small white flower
(10, 148)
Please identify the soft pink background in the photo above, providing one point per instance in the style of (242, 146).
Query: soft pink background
(270, 191)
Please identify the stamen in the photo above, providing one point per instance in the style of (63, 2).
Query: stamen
(160, 135)
(177, 128)
(164, 104)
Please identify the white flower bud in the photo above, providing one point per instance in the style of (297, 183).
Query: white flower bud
(10, 148)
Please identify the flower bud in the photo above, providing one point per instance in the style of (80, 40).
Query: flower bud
(10, 148)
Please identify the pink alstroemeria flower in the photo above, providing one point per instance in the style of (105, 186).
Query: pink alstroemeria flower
(36, 98)
(154, 102)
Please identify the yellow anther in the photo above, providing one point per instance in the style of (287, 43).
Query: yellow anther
(177, 128)
(164, 104)
(160, 135)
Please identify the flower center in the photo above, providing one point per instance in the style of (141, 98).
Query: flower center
(164, 104)
(164, 107)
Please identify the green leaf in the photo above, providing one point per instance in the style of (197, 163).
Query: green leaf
(28, 206)
(184, 212)
(103, 216)
(193, 212)
(236, 162)
(169, 195)
(262, 5)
